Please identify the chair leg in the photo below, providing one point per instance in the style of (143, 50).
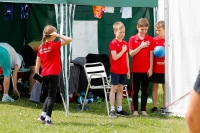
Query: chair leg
(85, 98)
(127, 99)
(105, 92)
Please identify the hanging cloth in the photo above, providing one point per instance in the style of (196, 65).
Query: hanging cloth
(126, 12)
(25, 10)
(98, 11)
(109, 9)
(9, 7)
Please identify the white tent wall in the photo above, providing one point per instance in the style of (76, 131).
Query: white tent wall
(182, 52)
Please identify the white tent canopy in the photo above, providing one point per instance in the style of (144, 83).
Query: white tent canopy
(182, 52)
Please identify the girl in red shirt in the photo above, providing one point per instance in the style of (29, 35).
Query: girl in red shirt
(49, 58)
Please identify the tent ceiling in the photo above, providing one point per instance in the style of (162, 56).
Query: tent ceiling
(113, 3)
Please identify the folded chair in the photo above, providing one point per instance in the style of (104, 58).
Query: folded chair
(94, 71)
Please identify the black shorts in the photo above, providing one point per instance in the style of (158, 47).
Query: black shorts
(158, 78)
(197, 84)
(28, 55)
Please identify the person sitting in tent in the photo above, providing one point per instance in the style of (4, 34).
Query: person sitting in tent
(192, 115)
(9, 59)
(28, 54)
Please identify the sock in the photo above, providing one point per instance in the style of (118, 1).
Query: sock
(112, 108)
(5, 95)
(119, 108)
(47, 118)
(43, 114)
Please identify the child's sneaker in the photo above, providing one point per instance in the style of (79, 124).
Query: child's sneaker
(7, 99)
(122, 113)
(41, 118)
(144, 113)
(135, 113)
(112, 114)
(153, 109)
(48, 122)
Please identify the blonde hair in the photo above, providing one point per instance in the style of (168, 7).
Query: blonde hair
(143, 22)
(46, 33)
(160, 24)
(118, 25)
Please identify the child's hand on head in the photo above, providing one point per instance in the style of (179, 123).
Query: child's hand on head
(54, 34)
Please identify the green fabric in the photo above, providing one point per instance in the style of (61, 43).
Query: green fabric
(117, 3)
(113, 3)
(40, 16)
(18, 32)
(12, 31)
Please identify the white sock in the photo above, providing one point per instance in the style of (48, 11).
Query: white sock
(112, 108)
(43, 114)
(119, 108)
(5, 95)
(47, 118)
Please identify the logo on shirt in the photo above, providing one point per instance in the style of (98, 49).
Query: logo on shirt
(45, 50)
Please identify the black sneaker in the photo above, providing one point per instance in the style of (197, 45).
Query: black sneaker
(47, 123)
(153, 109)
(112, 114)
(122, 113)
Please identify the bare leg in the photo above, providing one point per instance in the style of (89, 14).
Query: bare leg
(155, 94)
(6, 84)
(31, 80)
(163, 86)
(119, 94)
(112, 95)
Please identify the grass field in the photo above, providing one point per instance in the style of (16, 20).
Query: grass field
(21, 117)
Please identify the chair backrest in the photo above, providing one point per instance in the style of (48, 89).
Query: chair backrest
(95, 71)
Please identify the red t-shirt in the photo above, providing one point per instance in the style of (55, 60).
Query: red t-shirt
(50, 58)
(141, 61)
(118, 66)
(158, 68)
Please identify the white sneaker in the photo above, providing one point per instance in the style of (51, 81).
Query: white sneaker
(144, 113)
(135, 113)
(7, 99)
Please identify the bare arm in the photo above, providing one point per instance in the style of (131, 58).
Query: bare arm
(193, 115)
(65, 39)
(116, 56)
(150, 71)
(16, 69)
(38, 64)
(128, 74)
(135, 51)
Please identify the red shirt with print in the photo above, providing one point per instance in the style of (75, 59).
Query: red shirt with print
(156, 67)
(118, 66)
(50, 58)
(141, 61)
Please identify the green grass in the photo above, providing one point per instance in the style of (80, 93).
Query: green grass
(21, 117)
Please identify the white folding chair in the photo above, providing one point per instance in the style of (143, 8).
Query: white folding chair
(94, 71)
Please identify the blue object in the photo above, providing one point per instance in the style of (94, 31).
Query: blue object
(159, 51)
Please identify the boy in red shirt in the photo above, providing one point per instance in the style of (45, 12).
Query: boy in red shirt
(119, 69)
(141, 51)
(158, 76)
